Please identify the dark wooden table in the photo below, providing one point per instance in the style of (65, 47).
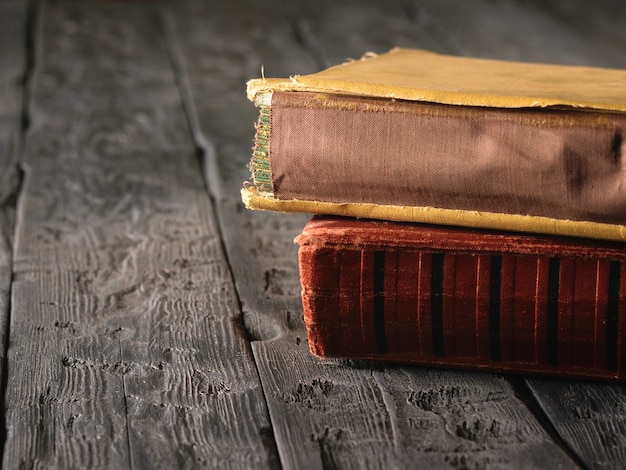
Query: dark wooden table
(147, 320)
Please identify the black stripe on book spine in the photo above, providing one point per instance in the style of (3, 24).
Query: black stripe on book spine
(495, 288)
(612, 316)
(436, 304)
(379, 301)
(554, 275)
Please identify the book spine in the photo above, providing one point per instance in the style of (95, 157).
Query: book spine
(518, 313)
(338, 149)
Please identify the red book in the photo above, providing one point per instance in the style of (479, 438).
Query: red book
(464, 298)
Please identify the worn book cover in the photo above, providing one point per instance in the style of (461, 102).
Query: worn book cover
(468, 298)
(412, 135)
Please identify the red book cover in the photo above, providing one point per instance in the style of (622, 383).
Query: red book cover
(447, 296)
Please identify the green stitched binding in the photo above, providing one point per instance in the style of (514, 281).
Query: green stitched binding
(259, 165)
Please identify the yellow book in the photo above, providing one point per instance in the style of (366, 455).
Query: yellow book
(411, 135)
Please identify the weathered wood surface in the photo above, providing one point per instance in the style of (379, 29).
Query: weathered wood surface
(13, 59)
(137, 342)
(126, 346)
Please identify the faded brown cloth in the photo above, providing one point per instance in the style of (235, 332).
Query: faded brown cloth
(559, 163)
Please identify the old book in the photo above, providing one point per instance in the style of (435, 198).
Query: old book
(415, 136)
(467, 298)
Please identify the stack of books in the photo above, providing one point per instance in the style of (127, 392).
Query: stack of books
(468, 212)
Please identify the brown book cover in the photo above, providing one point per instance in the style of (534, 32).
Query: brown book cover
(411, 135)
(466, 298)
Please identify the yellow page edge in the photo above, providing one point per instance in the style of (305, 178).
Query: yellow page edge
(433, 215)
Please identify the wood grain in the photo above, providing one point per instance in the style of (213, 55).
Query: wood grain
(12, 68)
(337, 414)
(513, 30)
(127, 349)
(591, 419)
(600, 25)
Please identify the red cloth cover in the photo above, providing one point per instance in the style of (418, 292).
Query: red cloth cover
(464, 298)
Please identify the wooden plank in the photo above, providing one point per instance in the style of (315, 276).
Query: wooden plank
(127, 349)
(599, 24)
(516, 30)
(12, 69)
(328, 34)
(513, 30)
(588, 417)
(331, 414)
